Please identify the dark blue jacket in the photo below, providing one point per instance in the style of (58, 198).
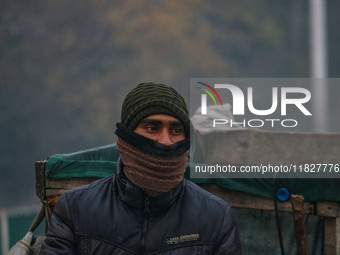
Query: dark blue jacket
(113, 216)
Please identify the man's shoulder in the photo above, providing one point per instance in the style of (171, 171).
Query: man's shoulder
(90, 190)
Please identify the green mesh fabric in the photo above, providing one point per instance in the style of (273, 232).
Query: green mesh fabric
(101, 162)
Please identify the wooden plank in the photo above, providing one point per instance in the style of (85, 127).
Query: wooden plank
(54, 193)
(56, 187)
(328, 208)
(300, 225)
(337, 236)
(40, 179)
(67, 184)
(239, 199)
(330, 236)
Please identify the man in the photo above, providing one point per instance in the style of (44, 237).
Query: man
(146, 207)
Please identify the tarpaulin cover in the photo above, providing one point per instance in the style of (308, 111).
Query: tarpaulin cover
(101, 162)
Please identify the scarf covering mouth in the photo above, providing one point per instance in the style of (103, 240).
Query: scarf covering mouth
(151, 166)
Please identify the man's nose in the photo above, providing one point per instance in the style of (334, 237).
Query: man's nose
(165, 138)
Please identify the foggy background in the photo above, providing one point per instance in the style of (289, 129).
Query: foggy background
(66, 66)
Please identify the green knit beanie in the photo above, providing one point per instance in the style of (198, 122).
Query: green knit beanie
(154, 98)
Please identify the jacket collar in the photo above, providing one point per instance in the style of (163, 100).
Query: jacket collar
(135, 197)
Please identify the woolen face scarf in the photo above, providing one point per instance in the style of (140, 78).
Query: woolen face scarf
(153, 167)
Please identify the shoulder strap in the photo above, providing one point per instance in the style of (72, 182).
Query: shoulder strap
(38, 219)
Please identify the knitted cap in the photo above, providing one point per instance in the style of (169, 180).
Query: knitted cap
(153, 98)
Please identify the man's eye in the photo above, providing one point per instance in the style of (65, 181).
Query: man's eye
(177, 130)
(151, 129)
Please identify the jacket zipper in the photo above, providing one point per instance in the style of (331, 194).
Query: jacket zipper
(145, 225)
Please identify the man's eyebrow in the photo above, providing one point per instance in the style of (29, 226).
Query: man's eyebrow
(176, 123)
(159, 122)
(151, 121)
